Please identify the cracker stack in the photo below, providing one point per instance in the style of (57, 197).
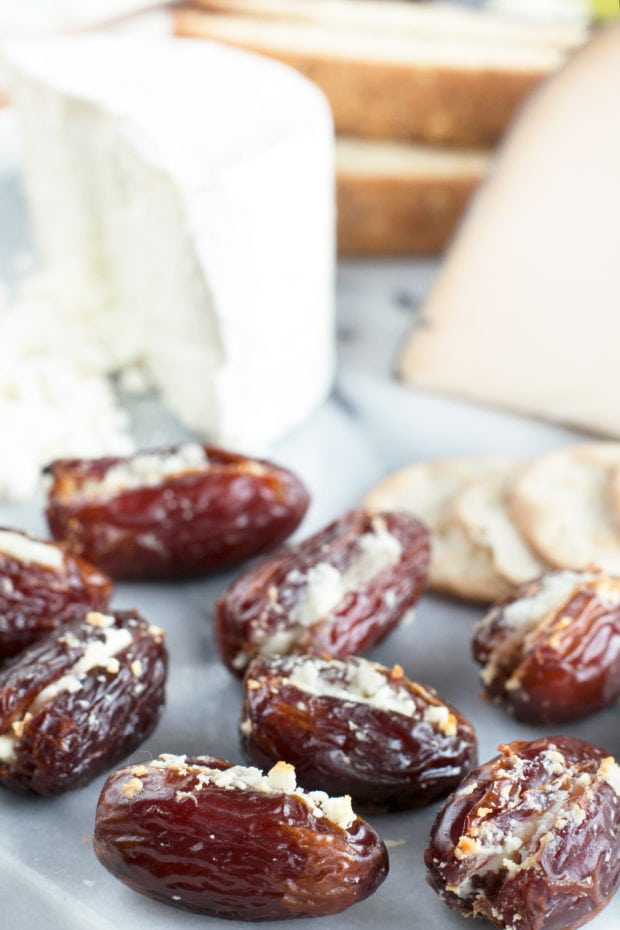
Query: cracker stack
(420, 92)
(496, 523)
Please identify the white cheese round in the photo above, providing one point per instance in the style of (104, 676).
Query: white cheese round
(183, 193)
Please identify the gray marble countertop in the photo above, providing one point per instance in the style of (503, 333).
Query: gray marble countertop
(369, 426)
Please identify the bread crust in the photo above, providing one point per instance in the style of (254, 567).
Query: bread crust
(399, 215)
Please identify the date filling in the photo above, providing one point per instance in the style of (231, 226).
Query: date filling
(23, 549)
(362, 681)
(149, 469)
(323, 588)
(281, 779)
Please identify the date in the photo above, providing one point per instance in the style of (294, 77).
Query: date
(356, 727)
(41, 588)
(75, 703)
(531, 839)
(228, 841)
(551, 652)
(339, 593)
(174, 512)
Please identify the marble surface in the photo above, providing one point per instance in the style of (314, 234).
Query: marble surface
(370, 426)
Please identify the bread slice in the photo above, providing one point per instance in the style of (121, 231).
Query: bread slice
(392, 83)
(562, 505)
(428, 490)
(398, 198)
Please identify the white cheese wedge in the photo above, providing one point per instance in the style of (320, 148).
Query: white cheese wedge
(524, 313)
(184, 194)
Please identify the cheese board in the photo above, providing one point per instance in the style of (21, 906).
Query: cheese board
(369, 426)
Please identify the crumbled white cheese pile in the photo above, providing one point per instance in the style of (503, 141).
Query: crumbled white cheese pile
(55, 397)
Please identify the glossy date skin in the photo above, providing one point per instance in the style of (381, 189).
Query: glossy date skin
(193, 523)
(562, 664)
(36, 599)
(531, 839)
(260, 612)
(232, 852)
(387, 741)
(78, 701)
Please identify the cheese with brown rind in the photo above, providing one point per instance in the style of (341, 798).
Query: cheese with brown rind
(525, 309)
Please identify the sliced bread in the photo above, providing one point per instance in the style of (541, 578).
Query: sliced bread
(397, 198)
(434, 84)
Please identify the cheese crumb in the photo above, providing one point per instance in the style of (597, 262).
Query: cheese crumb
(466, 847)
(282, 777)
(132, 788)
(609, 771)
(94, 618)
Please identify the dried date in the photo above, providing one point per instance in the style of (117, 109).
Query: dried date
(174, 512)
(356, 727)
(228, 841)
(531, 839)
(551, 652)
(340, 592)
(76, 702)
(41, 588)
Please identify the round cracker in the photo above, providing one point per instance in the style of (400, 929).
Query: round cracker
(482, 510)
(562, 505)
(462, 569)
(428, 490)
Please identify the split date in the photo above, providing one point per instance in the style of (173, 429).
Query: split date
(354, 726)
(531, 839)
(339, 593)
(76, 702)
(174, 512)
(228, 841)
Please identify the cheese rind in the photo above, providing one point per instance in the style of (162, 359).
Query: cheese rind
(185, 191)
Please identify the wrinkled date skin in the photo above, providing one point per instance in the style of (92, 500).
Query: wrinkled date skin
(236, 852)
(531, 839)
(355, 727)
(557, 662)
(280, 606)
(78, 701)
(37, 598)
(194, 522)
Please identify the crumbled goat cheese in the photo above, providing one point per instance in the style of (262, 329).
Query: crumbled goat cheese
(55, 396)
